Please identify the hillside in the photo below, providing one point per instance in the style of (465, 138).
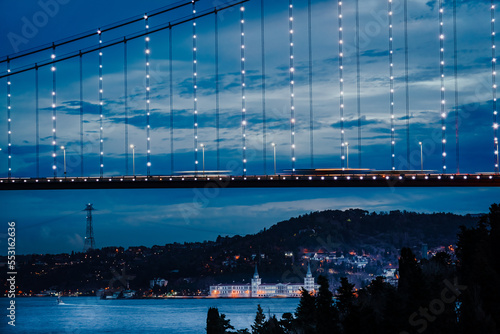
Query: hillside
(280, 252)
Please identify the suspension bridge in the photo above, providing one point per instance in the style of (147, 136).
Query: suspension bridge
(251, 94)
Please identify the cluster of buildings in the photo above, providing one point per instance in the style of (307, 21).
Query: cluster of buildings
(358, 261)
(257, 289)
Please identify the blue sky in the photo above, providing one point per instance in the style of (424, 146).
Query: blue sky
(123, 211)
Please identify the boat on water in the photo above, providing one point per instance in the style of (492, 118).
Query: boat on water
(113, 296)
(59, 301)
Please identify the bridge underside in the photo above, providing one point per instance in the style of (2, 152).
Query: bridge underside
(276, 181)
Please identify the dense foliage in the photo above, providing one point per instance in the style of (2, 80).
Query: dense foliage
(191, 268)
(436, 296)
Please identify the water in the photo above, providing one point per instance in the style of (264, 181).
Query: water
(91, 315)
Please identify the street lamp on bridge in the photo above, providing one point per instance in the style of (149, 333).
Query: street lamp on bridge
(133, 159)
(64, 159)
(421, 157)
(274, 149)
(347, 155)
(203, 157)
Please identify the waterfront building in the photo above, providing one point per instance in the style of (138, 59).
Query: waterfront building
(258, 289)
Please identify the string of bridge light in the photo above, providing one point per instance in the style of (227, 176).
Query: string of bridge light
(494, 85)
(195, 98)
(243, 84)
(101, 129)
(54, 113)
(148, 88)
(391, 83)
(9, 130)
(441, 70)
(292, 95)
(341, 83)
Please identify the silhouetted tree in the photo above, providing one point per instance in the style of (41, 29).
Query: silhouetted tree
(349, 312)
(258, 324)
(306, 313)
(217, 323)
(272, 326)
(478, 265)
(345, 295)
(327, 315)
(411, 284)
(287, 322)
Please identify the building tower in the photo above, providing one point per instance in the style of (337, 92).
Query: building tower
(89, 237)
(309, 280)
(256, 281)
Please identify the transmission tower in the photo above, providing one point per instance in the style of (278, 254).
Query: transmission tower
(89, 238)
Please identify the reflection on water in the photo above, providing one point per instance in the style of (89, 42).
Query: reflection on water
(92, 315)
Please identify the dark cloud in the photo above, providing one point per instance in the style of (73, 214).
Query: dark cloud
(352, 123)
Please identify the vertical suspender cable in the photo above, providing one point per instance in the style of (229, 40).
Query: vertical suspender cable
(81, 114)
(171, 100)
(243, 101)
(358, 83)
(37, 120)
(441, 67)
(54, 112)
(217, 104)
(311, 110)
(195, 99)
(341, 84)
(101, 138)
(148, 88)
(9, 129)
(407, 85)
(494, 84)
(391, 84)
(455, 70)
(125, 98)
(292, 94)
(263, 87)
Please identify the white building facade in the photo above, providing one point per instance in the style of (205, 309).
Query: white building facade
(257, 289)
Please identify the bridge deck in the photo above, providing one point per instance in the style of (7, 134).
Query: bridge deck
(268, 181)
